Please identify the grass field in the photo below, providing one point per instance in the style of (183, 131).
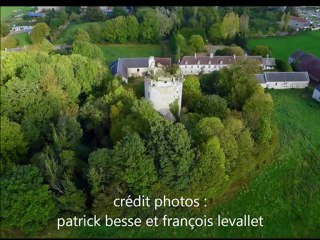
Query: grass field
(283, 47)
(67, 34)
(112, 52)
(286, 193)
(7, 12)
(23, 39)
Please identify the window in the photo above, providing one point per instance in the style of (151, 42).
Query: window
(138, 70)
(198, 62)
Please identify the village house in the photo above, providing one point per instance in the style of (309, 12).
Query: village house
(27, 29)
(298, 23)
(48, 8)
(304, 62)
(193, 65)
(136, 67)
(283, 80)
(316, 93)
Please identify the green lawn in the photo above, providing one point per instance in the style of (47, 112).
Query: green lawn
(23, 39)
(7, 12)
(283, 47)
(112, 52)
(67, 34)
(286, 193)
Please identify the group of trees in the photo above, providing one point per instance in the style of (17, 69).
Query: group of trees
(80, 138)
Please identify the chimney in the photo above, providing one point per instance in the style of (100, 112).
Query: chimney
(195, 55)
(211, 55)
(234, 56)
(246, 55)
(267, 56)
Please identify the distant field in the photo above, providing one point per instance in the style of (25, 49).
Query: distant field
(67, 34)
(7, 12)
(112, 52)
(23, 39)
(283, 47)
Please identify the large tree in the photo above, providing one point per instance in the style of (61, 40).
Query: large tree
(26, 203)
(230, 25)
(39, 32)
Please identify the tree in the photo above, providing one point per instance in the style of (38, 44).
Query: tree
(136, 167)
(9, 42)
(229, 51)
(211, 105)
(118, 11)
(170, 147)
(132, 28)
(191, 91)
(244, 24)
(208, 81)
(87, 49)
(259, 111)
(92, 14)
(283, 66)
(81, 35)
(261, 51)
(215, 33)
(230, 25)
(95, 32)
(13, 144)
(149, 25)
(108, 32)
(120, 29)
(39, 32)
(26, 203)
(72, 9)
(237, 83)
(197, 42)
(4, 30)
(74, 17)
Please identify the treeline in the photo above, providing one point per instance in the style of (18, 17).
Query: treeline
(73, 138)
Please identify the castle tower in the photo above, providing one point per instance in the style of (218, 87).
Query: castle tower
(161, 91)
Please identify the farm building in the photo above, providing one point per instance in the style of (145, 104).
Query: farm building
(304, 62)
(35, 15)
(283, 80)
(298, 23)
(136, 67)
(193, 65)
(22, 29)
(316, 93)
(162, 90)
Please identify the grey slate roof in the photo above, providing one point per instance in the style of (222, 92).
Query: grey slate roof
(282, 77)
(286, 76)
(135, 62)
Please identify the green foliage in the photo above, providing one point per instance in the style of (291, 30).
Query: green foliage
(5, 29)
(81, 35)
(170, 146)
(191, 91)
(283, 66)
(86, 49)
(174, 108)
(208, 81)
(136, 168)
(230, 25)
(237, 84)
(211, 105)
(149, 27)
(9, 42)
(26, 203)
(261, 51)
(132, 28)
(229, 51)
(12, 142)
(215, 33)
(39, 32)
(92, 14)
(197, 42)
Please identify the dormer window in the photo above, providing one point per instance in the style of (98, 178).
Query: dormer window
(221, 62)
(185, 62)
(198, 62)
(209, 62)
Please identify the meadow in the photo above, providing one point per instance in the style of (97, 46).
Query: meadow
(112, 52)
(7, 12)
(283, 47)
(23, 39)
(286, 193)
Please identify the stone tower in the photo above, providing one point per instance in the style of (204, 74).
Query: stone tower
(162, 89)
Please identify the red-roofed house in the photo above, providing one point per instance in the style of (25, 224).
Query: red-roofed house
(298, 23)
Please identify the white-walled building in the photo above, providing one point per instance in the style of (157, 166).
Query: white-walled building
(193, 65)
(136, 67)
(283, 80)
(162, 90)
(48, 8)
(22, 28)
(316, 93)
